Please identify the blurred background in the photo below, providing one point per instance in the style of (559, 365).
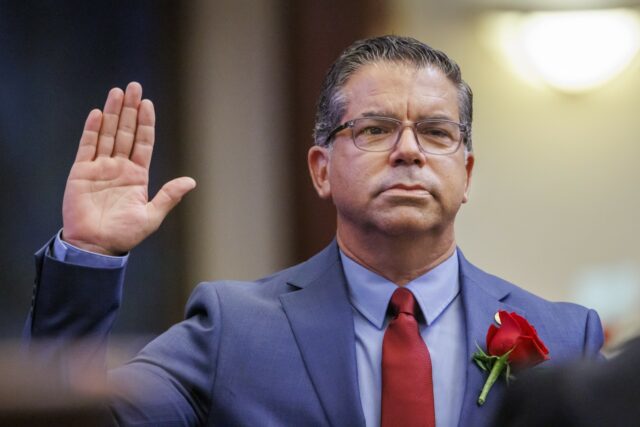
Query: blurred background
(554, 200)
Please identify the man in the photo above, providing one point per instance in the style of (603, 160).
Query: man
(314, 344)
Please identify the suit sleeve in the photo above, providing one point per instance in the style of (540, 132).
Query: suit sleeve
(71, 301)
(167, 384)
(170, 381)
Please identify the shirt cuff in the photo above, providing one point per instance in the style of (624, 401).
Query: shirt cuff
(66, 252)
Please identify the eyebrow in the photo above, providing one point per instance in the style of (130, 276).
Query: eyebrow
(383, 113)
(437, 117)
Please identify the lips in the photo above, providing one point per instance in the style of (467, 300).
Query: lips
(406, 189)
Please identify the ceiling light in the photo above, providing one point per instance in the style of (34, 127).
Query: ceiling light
(570, 51)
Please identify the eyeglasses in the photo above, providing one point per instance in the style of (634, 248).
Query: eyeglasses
(434, 136)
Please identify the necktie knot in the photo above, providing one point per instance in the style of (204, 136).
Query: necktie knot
(403, 301)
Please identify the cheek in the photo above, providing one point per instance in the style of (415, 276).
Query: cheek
(347, 183)
(452, 180)
(352, 177)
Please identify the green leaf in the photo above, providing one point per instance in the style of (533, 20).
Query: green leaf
(481, 351)
(481, 364)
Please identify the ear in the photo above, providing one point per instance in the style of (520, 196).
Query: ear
(318, 160)
(469, 161)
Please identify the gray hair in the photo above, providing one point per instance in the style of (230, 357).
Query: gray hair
(333, 104)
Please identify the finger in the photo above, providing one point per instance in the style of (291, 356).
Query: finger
(167, 198)
(110, 116)
(89, 138)
(145, 134)
(128, 120)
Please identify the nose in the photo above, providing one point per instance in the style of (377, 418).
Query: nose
(407, 149)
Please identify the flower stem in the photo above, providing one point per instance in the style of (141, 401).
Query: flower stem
(496, 370)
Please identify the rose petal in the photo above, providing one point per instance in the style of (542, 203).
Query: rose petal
(493, 329)
(505, 338)
(529, 330)
(526, 327)
(526, 354)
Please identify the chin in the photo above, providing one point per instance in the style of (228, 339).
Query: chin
(398, 221)
(407, 225)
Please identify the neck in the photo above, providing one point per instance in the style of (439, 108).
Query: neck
(399, 259)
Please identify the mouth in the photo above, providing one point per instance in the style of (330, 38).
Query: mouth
(406, 190)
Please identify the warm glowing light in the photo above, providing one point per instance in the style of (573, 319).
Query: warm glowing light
(570, 51)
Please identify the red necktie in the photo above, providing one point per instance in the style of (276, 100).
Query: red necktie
(407, 385)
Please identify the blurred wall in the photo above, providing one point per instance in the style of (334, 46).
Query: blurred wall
(234, 84)
(57, 62)
(238, 223)
(554, 200)
(252, 76)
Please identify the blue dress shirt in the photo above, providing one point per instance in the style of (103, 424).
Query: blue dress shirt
(438, 294)
(63, 251)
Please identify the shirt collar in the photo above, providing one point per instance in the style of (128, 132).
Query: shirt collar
(370, 293)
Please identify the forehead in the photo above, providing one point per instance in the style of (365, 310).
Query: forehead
(400, 90)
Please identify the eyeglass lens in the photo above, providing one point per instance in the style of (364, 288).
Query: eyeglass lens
(380, 134)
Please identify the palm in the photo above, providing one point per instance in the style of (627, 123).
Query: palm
(106, 207)
(106, 198)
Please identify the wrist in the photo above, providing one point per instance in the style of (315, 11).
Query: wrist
(88, 246)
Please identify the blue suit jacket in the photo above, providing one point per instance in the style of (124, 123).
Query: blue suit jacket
(276, 352)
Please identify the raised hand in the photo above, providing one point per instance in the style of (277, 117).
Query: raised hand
(106, 208)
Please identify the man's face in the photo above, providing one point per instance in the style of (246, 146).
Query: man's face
(403, 191)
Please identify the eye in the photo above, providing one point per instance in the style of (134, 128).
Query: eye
(373, 130)
(437, 131)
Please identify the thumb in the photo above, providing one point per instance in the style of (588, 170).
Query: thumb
(167, 198)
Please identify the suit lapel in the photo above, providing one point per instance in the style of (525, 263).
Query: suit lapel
(321, 319)
(482, 297)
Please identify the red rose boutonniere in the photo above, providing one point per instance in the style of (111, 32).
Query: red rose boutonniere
(513, 345)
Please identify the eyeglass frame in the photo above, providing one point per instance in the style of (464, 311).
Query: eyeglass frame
(413, 125)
